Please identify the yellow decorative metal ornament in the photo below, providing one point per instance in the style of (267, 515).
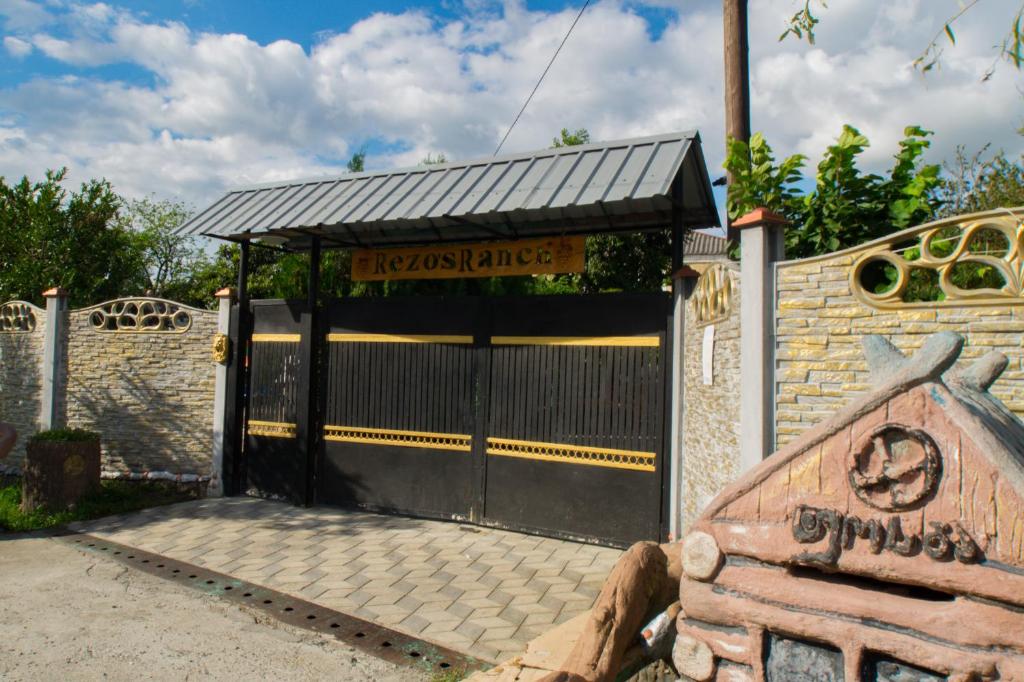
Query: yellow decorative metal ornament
(221, 350)
(713, 295)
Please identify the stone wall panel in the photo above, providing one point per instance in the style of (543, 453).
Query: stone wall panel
(21, 383)
(148, 393)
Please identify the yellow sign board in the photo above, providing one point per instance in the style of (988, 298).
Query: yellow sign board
(496, 259)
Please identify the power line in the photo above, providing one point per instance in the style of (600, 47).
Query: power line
(541, 79)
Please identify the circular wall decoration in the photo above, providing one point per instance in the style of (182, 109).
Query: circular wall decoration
(895, 468)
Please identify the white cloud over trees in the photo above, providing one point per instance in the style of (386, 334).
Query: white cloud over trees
(220, 110)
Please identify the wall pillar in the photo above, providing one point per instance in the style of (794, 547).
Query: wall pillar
(761, 245)
(54, 338)
(225, 298)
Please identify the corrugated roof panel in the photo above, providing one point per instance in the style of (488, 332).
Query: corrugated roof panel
(517, 196)
(368, 209)
(293, 216)
(438, 192)
(470, 201)
(467, 181)
(338, 192)
(507, 183)
(409, 202)
(209, 217)
(253, 201)
(258, 221)
(666, 158)
(577, 178)
(603, 176)
(409, 186)
(535, 191)
(363, 189)
(551, 182)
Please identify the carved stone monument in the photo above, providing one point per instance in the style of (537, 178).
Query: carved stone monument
(886, 544)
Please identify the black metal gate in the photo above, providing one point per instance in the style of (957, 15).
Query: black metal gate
(536, 413)
(575, 428)
(276, 456)
(400, 406)
(544, 414)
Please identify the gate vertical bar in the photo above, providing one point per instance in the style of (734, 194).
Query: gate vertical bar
(240, 332)
(481, 401)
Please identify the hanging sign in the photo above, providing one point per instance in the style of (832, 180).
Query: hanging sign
(494, 259)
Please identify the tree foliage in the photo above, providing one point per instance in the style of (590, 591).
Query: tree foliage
(846, 206)
(50, 236)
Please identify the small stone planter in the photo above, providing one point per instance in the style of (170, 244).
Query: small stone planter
(58, 473)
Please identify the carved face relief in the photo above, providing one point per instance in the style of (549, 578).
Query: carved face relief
(895, 467)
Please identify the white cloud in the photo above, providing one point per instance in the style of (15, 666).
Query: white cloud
(223, 110)
(16, 47)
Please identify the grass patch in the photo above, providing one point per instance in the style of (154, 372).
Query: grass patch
(450, 675)
(113, 497)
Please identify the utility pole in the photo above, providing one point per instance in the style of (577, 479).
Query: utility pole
(737, 74)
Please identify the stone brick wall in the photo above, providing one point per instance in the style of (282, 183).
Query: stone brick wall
(21, 383)
(820, 323)
(711, 418)
(149, 394)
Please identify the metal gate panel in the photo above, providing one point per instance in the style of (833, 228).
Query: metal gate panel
(575, 432)
(399, 410)
(275, 459)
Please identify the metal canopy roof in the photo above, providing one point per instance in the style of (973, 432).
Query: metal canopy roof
(606, 187)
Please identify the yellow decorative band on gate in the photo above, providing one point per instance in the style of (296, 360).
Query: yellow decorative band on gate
(572, 454)
(399, 338)
(405, 439)
(635, 341)
(276, 338)
(272, 429)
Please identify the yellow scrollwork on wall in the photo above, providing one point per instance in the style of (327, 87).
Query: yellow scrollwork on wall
(713, 295)
(17, 316)
(134, 315)
(968, 260)
(221, 349)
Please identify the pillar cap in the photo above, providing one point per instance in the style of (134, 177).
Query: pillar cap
(55, 292)
(759, 217)
(685, 272)
(226, 292)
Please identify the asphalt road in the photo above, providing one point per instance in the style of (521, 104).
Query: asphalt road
(68, 615)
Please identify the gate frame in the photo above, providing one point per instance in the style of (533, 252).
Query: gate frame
(310, 417)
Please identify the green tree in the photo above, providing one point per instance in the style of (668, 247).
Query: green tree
(973, 184)
(170, 259)
(567, 138)
(846, 207)
(50, 236)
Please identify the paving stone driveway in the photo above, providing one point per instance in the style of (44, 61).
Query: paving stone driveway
(481, 591)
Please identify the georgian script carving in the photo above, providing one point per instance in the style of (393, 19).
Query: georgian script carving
(945, 541)
(140, 315)
(895, 468)
(17, 317)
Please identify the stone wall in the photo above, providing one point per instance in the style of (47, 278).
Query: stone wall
(823, 312)
(21, 378)
(150, 393)
(711, 417)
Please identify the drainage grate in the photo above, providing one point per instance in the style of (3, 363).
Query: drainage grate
(371, 638)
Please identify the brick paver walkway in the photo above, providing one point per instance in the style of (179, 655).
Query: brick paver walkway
(481, 591)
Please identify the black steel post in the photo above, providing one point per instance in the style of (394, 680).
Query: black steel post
(234, 413)
(313, 363)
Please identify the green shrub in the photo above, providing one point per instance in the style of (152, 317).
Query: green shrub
(65, 436)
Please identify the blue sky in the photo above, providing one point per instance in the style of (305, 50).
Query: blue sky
(181, 100)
